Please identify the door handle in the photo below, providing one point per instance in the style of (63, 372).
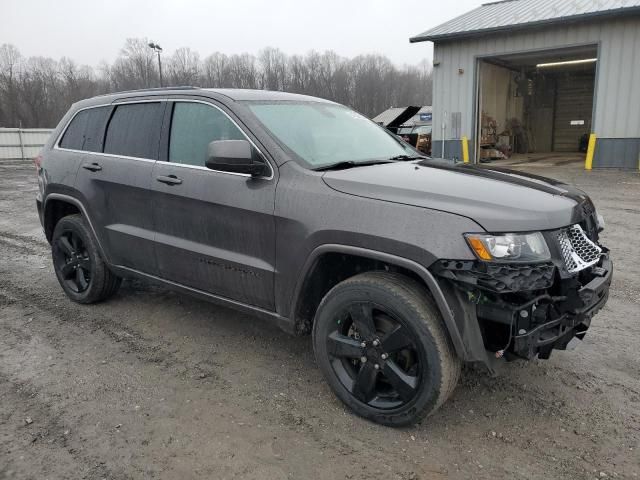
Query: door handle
(93, 167)
(169, 179)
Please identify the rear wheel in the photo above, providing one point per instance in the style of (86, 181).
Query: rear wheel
(81, 271)
(381, 344)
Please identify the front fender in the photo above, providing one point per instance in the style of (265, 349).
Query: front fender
(429, 280)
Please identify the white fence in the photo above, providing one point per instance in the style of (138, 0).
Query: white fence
(22, 143)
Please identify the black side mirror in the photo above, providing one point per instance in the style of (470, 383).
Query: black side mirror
(236, 156)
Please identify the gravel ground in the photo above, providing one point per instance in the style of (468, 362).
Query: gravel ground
(153, 384)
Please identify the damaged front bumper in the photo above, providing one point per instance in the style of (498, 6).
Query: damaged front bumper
(522, 310)
(561, 332)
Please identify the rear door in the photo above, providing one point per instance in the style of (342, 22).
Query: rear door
(215, 231)
(115, 182)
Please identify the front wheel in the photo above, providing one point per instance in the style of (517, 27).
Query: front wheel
(381, 344)
(83, 274)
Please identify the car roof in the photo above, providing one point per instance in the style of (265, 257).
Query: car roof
(232, 94)
(242, 94)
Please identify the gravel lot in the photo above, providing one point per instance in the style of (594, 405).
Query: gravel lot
(153, 384)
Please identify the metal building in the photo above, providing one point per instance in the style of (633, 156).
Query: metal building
(540, 76)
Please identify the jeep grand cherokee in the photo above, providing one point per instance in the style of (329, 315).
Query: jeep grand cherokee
(304, 212)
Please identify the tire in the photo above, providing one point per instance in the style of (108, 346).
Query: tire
(420, 370)
(82, 273)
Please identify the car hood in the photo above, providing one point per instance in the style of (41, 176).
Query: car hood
(498, 199)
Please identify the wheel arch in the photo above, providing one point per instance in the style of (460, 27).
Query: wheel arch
(57, 206)
(54, 210)
(321, 272)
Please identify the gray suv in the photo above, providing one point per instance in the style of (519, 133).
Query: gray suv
(301, 211)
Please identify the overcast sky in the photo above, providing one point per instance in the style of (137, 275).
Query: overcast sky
(90, 31)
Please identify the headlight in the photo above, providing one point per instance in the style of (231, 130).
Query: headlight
(509, 247)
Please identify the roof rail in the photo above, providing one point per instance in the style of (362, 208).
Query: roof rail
(152, 89)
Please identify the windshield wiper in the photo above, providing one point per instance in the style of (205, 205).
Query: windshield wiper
(407, 157)
(350, 164)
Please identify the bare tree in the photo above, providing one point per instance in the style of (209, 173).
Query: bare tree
(184, 67)
(135, 67)
(243, 71)
(298, 74)
(216, 71)
(37, 91)
(273, 69)
(10, 59)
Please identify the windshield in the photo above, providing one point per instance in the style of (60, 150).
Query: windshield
(423, 129)
(324, 134)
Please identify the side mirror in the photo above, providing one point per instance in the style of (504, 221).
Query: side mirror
(235, 156)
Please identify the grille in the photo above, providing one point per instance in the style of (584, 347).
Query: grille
(577, 250)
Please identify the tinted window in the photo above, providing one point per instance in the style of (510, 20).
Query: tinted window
(85, 130)
(134, 130)
(193, 127)
(94, 131)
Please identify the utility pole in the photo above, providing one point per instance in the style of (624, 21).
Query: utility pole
(157, 48)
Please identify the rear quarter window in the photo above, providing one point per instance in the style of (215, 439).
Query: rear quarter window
(134, 130)
(86, 130)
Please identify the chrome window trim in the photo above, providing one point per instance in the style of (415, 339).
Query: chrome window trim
(184, 165)
(86, 152)
(102, 154)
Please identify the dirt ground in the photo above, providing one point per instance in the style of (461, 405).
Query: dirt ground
(153, 384)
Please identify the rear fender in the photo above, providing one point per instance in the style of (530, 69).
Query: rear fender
(77, 203)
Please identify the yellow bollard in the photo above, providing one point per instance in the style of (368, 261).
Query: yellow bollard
(465, 149)
(588, 162)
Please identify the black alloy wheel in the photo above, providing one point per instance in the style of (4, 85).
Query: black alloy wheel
(382, 346)
(81, 271)
(374, 357)
(71, 259)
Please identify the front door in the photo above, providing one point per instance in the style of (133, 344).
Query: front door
(215, 231)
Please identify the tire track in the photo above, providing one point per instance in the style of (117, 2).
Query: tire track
(49, 432)
(91, 321)
(23, 245)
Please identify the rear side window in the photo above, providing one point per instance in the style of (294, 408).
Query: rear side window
(86, 130)
(193, 127)
(134, 130)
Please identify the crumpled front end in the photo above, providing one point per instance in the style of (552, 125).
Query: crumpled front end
(524, 310)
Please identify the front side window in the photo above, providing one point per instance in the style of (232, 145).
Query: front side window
(322, 134)
(134, 130)
(193, 127)
(85, 130)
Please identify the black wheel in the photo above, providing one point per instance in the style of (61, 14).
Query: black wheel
(81, 271)
(381, 344)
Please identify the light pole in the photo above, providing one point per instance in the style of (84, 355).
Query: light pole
(157, 48)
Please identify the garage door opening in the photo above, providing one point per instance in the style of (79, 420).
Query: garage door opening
(536, 108)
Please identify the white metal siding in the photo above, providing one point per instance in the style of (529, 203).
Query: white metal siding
(617, 82)
(22, 144)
